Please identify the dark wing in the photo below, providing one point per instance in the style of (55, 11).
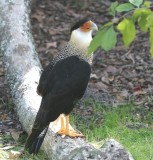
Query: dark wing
(60, 87)
(66, 83)
(41, 89)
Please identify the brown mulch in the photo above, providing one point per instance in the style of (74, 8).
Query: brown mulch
(125, 74)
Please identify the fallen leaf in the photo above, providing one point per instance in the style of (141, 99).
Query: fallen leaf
(1, 71)
(132, 58)
(3, 117)
(8, 147)
(105, 79)
(111, 78)
(101, 86)
(136, 93)
(111, 69)
(93, 76)
(53, 32)
(141, 81)
(119, 97)
(51, 44)
(137, 88)
(10, 123)
(130, 84)
(124, 93)
(38, 17)
(14, 154)
(139, 102)
(40, 12)
(15, 135)
(114, 90)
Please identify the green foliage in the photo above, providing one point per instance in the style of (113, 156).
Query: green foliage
(140, 16)
(137, 3)
(150, 20)
(124, 7)
(136, 12)
(127, 29)
(147, 4)
(106, 38)
(151, 41)
(112, 8)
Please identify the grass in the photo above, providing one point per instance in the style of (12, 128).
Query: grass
(130, 125)
(39, 156)
(7, 140)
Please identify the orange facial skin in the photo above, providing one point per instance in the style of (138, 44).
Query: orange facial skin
(86, 26)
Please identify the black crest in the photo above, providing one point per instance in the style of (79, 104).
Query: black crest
(79, 24)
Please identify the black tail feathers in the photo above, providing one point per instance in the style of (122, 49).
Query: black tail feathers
(35, 140)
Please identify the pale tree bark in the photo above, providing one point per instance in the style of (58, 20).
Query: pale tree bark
(22, 70)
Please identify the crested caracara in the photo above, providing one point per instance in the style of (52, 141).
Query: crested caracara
(62, 83)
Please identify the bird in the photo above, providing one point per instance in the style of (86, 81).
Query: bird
(62, 84)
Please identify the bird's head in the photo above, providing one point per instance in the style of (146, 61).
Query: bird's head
(81, 33)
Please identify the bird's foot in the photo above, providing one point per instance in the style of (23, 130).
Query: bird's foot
(66, 129)
(70, 133)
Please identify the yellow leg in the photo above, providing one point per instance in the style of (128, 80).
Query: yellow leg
(58, 124)
(67, 129)
(62, 124)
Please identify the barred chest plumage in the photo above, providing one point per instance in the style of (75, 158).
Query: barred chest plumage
(71, 49)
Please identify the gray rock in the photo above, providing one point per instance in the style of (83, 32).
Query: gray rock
(112, 150)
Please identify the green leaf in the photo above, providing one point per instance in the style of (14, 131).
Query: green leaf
(142, 22)
(105, 38)
(150, 20)
(95, 43)
(108, 24)
(147, 4)
(124, 7)
(151, 41)
(141, 16)
(139, 12)
(112, 8)
(136, 2)
(108, 39)
(127, 29)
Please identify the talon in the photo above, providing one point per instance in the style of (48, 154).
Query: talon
(65, 130)
(70, 133)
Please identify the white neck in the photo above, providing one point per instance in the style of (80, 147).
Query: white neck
(81, 39)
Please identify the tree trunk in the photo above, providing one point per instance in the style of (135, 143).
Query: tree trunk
(22, 70)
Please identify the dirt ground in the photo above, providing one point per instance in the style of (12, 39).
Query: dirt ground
(125, 74)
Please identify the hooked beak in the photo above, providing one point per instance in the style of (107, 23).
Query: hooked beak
(94, 26)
